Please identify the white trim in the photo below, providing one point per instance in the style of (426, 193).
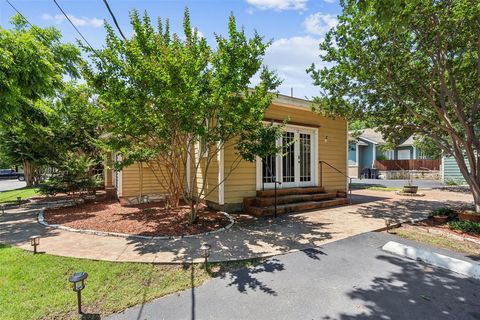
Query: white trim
(414, 153)
(356, 155)
(374, 156)
(188, 169)
(371, 141)
(120, 177)
(221, 176)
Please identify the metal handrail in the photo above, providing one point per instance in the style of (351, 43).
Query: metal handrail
(321, 162)
(274, 180)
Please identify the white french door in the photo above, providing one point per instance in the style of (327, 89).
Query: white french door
(295, 167)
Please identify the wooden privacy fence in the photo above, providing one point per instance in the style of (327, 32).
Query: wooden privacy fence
(420, 164)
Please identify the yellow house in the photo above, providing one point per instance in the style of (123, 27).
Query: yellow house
(310, 174)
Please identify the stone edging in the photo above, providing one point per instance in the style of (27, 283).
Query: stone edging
(410, 194)
(41, 220)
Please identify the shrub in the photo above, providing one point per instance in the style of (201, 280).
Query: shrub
(444, 211)
(451, 182)
(71, 176)
(465, 226)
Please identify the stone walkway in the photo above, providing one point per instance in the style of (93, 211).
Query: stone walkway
(249, 238)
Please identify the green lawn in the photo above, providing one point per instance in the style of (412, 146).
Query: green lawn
(36, 287)
(25, 193)
(437, 240)
(357, 186)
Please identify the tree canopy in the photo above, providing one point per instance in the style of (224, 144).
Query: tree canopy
(173, 101)
(410, 66)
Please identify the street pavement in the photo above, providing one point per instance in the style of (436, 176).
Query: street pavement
(11, 184)
(347, 279)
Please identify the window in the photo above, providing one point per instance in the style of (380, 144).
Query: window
(404, 154)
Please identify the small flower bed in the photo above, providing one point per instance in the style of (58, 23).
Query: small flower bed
(465, 226)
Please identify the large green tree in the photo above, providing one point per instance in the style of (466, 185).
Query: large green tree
(33, 62)
(172, 101)
(409, 66)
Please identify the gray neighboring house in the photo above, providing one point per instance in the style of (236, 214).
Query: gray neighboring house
(366, 148)
(450, 171)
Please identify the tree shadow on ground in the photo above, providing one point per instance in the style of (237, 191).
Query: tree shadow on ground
(246, 239)
(19, 226)
(416, 291)
(403, 209)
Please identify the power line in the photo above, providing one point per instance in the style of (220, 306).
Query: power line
(114, 19)
(78, 31)
(34, 28)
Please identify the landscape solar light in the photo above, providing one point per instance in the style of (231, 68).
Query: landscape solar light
(205, 250)
(388, 223)
(78, 282)
(19, 200)
(34, 242)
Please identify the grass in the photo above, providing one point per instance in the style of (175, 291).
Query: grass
(439, 241)
(25, 193)
(36, 287)
(374, 187)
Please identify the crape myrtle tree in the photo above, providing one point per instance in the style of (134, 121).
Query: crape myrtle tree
(410, 66)
(32, 63)
(172, 101)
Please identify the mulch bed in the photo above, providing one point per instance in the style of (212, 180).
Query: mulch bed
(430, 223)
(150, 219)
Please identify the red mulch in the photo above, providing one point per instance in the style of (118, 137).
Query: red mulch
(430, 223)
(150, 219)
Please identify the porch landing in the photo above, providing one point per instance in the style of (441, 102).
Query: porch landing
(249, 238)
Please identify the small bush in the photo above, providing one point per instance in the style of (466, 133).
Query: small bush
(465, 226)
(444, 211)
(451, 182)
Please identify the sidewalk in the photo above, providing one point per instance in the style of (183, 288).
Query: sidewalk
(250, 238)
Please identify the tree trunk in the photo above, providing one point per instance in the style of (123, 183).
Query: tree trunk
(29, 173)
(476, 197)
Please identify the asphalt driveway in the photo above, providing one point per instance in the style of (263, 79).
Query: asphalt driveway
(347, 279)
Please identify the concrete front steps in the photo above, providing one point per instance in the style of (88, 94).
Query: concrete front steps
(292, 200)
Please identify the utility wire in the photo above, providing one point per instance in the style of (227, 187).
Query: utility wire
(114, 19)
(78, 31)
(34, 28)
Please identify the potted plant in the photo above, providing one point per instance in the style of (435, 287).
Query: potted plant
(442, 215)
(468, 215)
(410, 188)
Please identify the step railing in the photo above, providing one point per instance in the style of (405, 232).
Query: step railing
(274, 180)
(321, 162)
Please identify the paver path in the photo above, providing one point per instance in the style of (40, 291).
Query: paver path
(247, 239)
(348, 279)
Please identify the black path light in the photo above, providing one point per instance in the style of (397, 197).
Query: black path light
(388, 223)
(205, 250)
(34, 242)
(19, 200)
(78, 281)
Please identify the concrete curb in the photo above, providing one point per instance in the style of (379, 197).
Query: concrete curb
(41, 220)
(466, 268)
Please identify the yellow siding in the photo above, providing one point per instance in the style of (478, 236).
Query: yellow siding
(211, 183)
(131, 181)
(242, 182)
(241, 179)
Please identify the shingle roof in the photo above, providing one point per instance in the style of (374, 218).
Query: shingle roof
(376, 137)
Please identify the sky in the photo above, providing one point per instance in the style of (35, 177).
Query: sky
(295, 27)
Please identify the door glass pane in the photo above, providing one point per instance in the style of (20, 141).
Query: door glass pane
(305, 157)
(268, 169)
(288, 158)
